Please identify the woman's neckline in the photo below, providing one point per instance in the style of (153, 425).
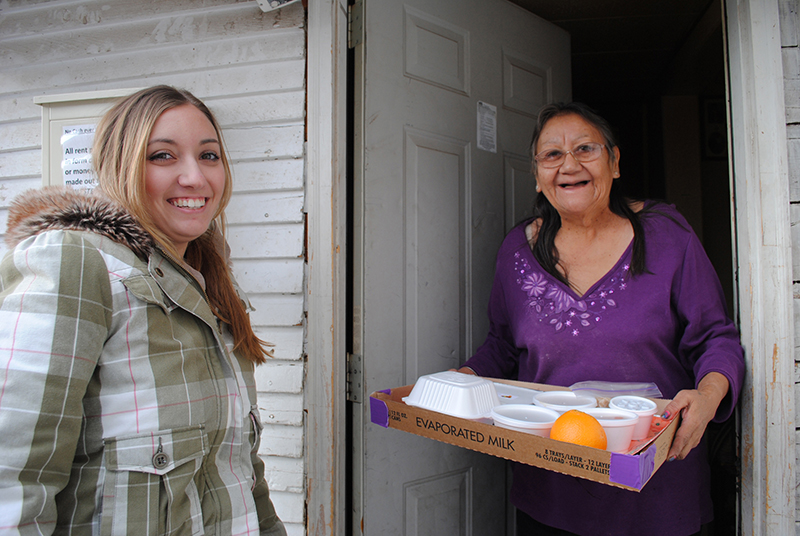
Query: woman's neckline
(528, 236)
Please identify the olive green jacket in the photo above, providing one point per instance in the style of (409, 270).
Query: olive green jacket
(123, 409)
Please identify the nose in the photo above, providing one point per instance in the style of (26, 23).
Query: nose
(191, 174)
(570, 162)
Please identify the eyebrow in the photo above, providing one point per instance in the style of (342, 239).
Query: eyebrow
(173, 142)
(578, 141)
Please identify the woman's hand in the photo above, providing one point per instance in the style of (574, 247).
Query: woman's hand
(465, 370)
(697, 407)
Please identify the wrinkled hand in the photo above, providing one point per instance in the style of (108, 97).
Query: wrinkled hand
(697, 407)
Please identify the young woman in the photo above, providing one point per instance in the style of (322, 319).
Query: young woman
(127, 394)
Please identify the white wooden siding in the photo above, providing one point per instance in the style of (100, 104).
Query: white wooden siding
(790, 51)
(249, 67)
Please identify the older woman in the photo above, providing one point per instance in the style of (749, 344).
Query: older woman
(596, 287)
(127, 398)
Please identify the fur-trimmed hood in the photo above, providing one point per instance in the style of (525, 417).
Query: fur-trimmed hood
(59, 208)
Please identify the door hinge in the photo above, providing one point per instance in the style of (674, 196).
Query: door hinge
(355, 24)
(355, 378)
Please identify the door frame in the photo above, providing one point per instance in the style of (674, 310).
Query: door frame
(326, 274)
(763, 263)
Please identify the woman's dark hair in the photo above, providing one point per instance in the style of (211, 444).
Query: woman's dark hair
(544, 250)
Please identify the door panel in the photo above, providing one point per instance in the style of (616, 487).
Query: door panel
(430, 211)
(436, 185)
(439, 505)
(520, 188)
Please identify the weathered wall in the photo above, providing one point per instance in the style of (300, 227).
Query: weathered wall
(249, 67)
(790, 50)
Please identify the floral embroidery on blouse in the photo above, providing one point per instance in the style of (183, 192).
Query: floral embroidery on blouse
(556, 307)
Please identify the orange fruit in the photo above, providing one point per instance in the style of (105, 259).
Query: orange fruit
(579, 428)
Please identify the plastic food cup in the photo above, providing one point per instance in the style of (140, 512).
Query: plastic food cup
(455, 394)
(643, 407)
(618, 425)
(525, 418)
(563, 401)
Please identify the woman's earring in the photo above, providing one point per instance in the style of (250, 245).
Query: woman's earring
(616, 174)
(538, 188)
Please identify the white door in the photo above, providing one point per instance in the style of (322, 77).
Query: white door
(433, 200)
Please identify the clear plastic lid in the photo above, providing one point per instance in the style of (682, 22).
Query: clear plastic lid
(563, 401)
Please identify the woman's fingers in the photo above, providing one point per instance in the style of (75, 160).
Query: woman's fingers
(697, 409)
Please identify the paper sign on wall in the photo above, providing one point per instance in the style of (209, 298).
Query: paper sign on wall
(271, 5)
(76, 156)
(487, 127)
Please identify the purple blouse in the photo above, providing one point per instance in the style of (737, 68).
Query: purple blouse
(668, 326)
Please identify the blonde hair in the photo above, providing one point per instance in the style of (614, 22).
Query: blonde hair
(119, 158)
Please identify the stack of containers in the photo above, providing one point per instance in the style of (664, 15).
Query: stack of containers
(471, 397)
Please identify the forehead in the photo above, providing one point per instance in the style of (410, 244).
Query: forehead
(568, 128)
(181, 117)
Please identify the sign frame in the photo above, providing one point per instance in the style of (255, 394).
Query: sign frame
(69, 110)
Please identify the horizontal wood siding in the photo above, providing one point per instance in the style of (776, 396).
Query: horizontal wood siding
(249, 67)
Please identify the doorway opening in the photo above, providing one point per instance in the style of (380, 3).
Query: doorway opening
(657, 74)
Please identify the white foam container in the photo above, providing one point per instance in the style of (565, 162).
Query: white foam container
(525, 418)
(453, 393)
(618, 425)
(563, 401)
(643, 407)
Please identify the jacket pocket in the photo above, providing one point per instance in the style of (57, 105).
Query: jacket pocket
(150, 483)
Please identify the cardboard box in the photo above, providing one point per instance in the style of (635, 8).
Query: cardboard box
(630, 471)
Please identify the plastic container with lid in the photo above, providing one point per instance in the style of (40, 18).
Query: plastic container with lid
(455, 394)
(563, 401)
(525, 418)
(643, 407)
(618, 425)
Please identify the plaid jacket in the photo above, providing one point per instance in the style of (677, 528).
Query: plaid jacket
(122, 408)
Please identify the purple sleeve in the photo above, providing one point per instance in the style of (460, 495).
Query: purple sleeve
(498, 356)
(710, 341)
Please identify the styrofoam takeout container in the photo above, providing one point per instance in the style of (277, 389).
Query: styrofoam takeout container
(643, 407)
(454, 393)
(525, 418)
(563, 401)
(618, 425)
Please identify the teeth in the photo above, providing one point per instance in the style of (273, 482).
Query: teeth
(189, 202)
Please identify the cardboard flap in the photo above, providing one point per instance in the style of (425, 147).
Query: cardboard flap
(378, 412)
(632, 471)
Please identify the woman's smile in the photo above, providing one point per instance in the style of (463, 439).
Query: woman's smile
(572, 185)
(189, 202)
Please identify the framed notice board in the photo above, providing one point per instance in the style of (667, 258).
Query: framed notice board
(68, 123)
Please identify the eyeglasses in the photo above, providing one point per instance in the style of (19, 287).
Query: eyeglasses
(585, 152)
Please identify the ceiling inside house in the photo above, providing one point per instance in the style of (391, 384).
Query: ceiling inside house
(629, 47)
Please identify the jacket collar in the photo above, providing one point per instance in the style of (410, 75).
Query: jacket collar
(59, 208)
